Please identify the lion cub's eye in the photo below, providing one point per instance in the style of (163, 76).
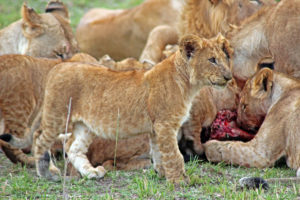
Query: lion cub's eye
(58, 54)
(244, 107)
(212, 60)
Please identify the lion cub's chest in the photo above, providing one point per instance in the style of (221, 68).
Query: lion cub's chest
(187, 113)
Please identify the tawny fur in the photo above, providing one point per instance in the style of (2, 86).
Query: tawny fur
(205, 18)
(129, 151)
(123, 33)
(262, 35)
(132, 153)
(22, 85)
(40, 35)
(277, 97)
(106, 102)
(204, 110)
(124, 65)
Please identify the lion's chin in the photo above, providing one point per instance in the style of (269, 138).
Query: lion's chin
(219, 84)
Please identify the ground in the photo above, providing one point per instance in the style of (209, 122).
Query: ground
(208, 181)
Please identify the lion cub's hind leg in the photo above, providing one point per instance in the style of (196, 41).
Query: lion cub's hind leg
(78, 149)
(44, 165)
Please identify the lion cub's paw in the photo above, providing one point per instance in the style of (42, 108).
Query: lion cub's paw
(55, 174)
(159, 170)
(213, 151)
(183, 179)
(96, 173)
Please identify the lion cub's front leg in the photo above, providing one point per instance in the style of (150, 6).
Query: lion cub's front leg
(77, 152)
(167, 158)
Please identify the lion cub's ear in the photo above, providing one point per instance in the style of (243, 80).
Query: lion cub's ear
(58, 8)
(226, 47)
(263, 81)
(214, 2)
(189, 44)
(31, 25)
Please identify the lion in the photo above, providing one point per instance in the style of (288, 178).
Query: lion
(40, 35)
(261, 35)
(22, 83)
(124, 154)
(135, 157)
(204, 110)
(133, 153)
(123, 33)
(205, 18)
(274, 97)
(125, 64)
(155, 101)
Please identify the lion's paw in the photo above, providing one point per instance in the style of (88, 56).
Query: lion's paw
(96, 173)
(213, 150)
(159, 170)
(183, 179)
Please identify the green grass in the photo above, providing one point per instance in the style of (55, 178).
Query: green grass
(10, 10)
(208, 181)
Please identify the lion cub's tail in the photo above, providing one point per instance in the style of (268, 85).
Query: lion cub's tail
(12, 145)
(27, 140)
(16, 155)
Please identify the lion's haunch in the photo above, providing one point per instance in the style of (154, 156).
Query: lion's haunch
(224, 127)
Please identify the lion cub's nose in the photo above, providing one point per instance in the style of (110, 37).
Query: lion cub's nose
(228, 76)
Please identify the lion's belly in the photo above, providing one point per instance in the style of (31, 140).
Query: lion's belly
(124, 127)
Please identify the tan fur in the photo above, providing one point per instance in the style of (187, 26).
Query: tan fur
(123, 33)
(276, 97)
(207, 18)
(204, 18)
(41, 35)
(22, 83)
(261, 35)
(123, 65)
(156, 101)
(204, 110)
(131, 153)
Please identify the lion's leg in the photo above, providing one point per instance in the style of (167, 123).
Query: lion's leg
(156, 156)
(44, 165)
(292, 145)
(249, 154)
(77, 152)
(157, 40)
(170, 157)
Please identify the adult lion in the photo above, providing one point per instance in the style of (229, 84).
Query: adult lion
(273, 31)
(156, 101)
(123, 33)
(205, 18)
(274, 97)
(40, 35)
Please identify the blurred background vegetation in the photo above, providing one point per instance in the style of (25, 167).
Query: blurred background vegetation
(10, 9)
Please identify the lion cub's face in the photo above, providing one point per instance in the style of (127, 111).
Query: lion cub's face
(255, 100)
(209, 60)
(49, 34)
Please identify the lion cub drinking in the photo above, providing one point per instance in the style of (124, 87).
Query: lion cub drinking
(107, 102)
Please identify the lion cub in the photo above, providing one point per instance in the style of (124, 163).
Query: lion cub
(270, 100)
(107, 102)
